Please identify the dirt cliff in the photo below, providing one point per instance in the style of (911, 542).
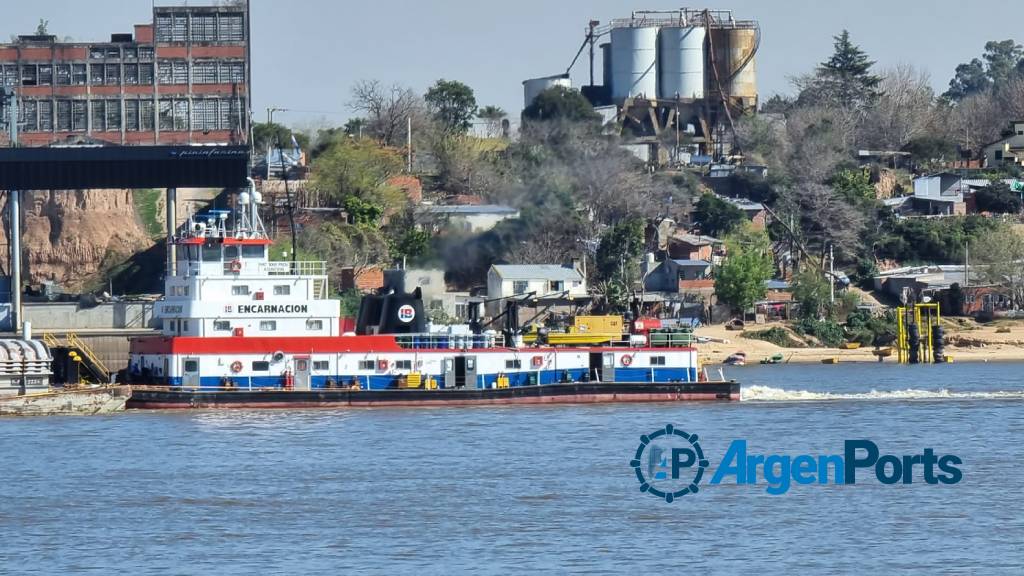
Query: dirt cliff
(76, 237)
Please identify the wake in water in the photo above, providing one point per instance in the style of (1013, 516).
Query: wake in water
(769, 394)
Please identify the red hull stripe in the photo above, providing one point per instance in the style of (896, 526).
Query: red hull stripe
(573, 399)
(320, 344)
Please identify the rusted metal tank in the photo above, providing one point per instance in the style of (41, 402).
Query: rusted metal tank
(734, 50)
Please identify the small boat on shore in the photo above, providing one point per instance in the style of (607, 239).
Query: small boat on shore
(850, 345)
(58, 401)
(773, 359)
(830, 360)
(738, 358)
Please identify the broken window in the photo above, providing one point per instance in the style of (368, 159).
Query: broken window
(10, 73)
(231, 27)
(79, 116)
(45, 74)
(146, 116)
(45, 116)
(166, 115)
(95, 74)
(131, 53)
(145, 52)
(172, 27)
(145, 73)
(181, 115)
(131, 115)
(79, 77)
(131, 73)
(64, 115)
(27, 116)
(97, 52)
(97, 115)
(173, 71)
(204, 27)
(63, 76)
(114, 52)
(113, 74)
(29, 74)
(233, 72)
(204, 72)
(113, 114)
(204, 114)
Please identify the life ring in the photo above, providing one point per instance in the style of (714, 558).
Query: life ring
(382, 365)
(236, 266)
(626, 359)
(537, 361)
(236, 366)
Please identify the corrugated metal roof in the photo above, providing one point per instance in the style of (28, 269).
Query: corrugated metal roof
(536, 271)
(471, 209)
(776, 284)
(692, 262)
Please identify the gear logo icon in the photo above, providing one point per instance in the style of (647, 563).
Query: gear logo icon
(669, 463)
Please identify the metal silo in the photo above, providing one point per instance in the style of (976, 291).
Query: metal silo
(734, 53)
(681, 60)
(634, 62)
(534, 86)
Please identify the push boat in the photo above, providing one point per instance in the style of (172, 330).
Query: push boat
(239, 330)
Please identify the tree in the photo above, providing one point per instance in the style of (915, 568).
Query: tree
(716, 216)
(825, 218)
(968, 79)
(998, 198)
(354, 173)
(740, 280)
(811, 291)
(1002, 59)
(495, 118)
(853, 185)
(387, 110)
(845, 78)
(618, 262)
(452, 104)
(354, 127)
(346, 246)
(275, 135)
(1000, 252)
(904, 111)
(561, 103)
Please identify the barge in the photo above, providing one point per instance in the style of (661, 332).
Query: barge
(240, 330)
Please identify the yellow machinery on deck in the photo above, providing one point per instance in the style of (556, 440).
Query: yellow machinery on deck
(585, 330)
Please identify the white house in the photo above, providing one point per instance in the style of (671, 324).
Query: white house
(1009, 149)
(550, 284)
(465, 218)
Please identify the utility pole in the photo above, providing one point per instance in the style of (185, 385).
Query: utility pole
(967, 264)
(270, 141)
(831, 275)
(408, 143)
(14, 214)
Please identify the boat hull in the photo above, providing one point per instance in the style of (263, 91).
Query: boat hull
(155, 397)
(101, 400)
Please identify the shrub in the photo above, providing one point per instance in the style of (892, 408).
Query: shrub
(827, 332)
(775, 335)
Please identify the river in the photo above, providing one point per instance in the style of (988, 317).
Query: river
(522, 489)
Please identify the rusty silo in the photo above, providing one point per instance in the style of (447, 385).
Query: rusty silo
(733, 54)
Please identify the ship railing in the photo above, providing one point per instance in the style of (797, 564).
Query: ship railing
(448, 341)
(289, 268)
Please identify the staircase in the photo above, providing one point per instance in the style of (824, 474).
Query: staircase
(75, 360)
(320, 288)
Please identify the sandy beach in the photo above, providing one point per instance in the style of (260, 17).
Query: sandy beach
(974, 343)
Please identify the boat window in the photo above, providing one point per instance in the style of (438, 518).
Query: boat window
(657, 360)
(268, 325)
(282, 290)
(252, 251)
(240, 290)
(314, 324)
(260, 366)
(230, 252)
(513, 364)
(366, 365)
(184, 325)
(191, 366)
(222, 325)
(211, 253)
(321, 365)
(403, 364)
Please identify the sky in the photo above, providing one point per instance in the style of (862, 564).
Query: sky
(307, 54)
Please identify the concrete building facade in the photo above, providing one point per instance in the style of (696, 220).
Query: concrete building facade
(183, 78)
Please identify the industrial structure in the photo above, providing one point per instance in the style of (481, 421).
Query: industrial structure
(183, 78)
(669, 77)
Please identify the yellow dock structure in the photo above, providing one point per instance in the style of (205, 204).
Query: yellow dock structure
(919, 334)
